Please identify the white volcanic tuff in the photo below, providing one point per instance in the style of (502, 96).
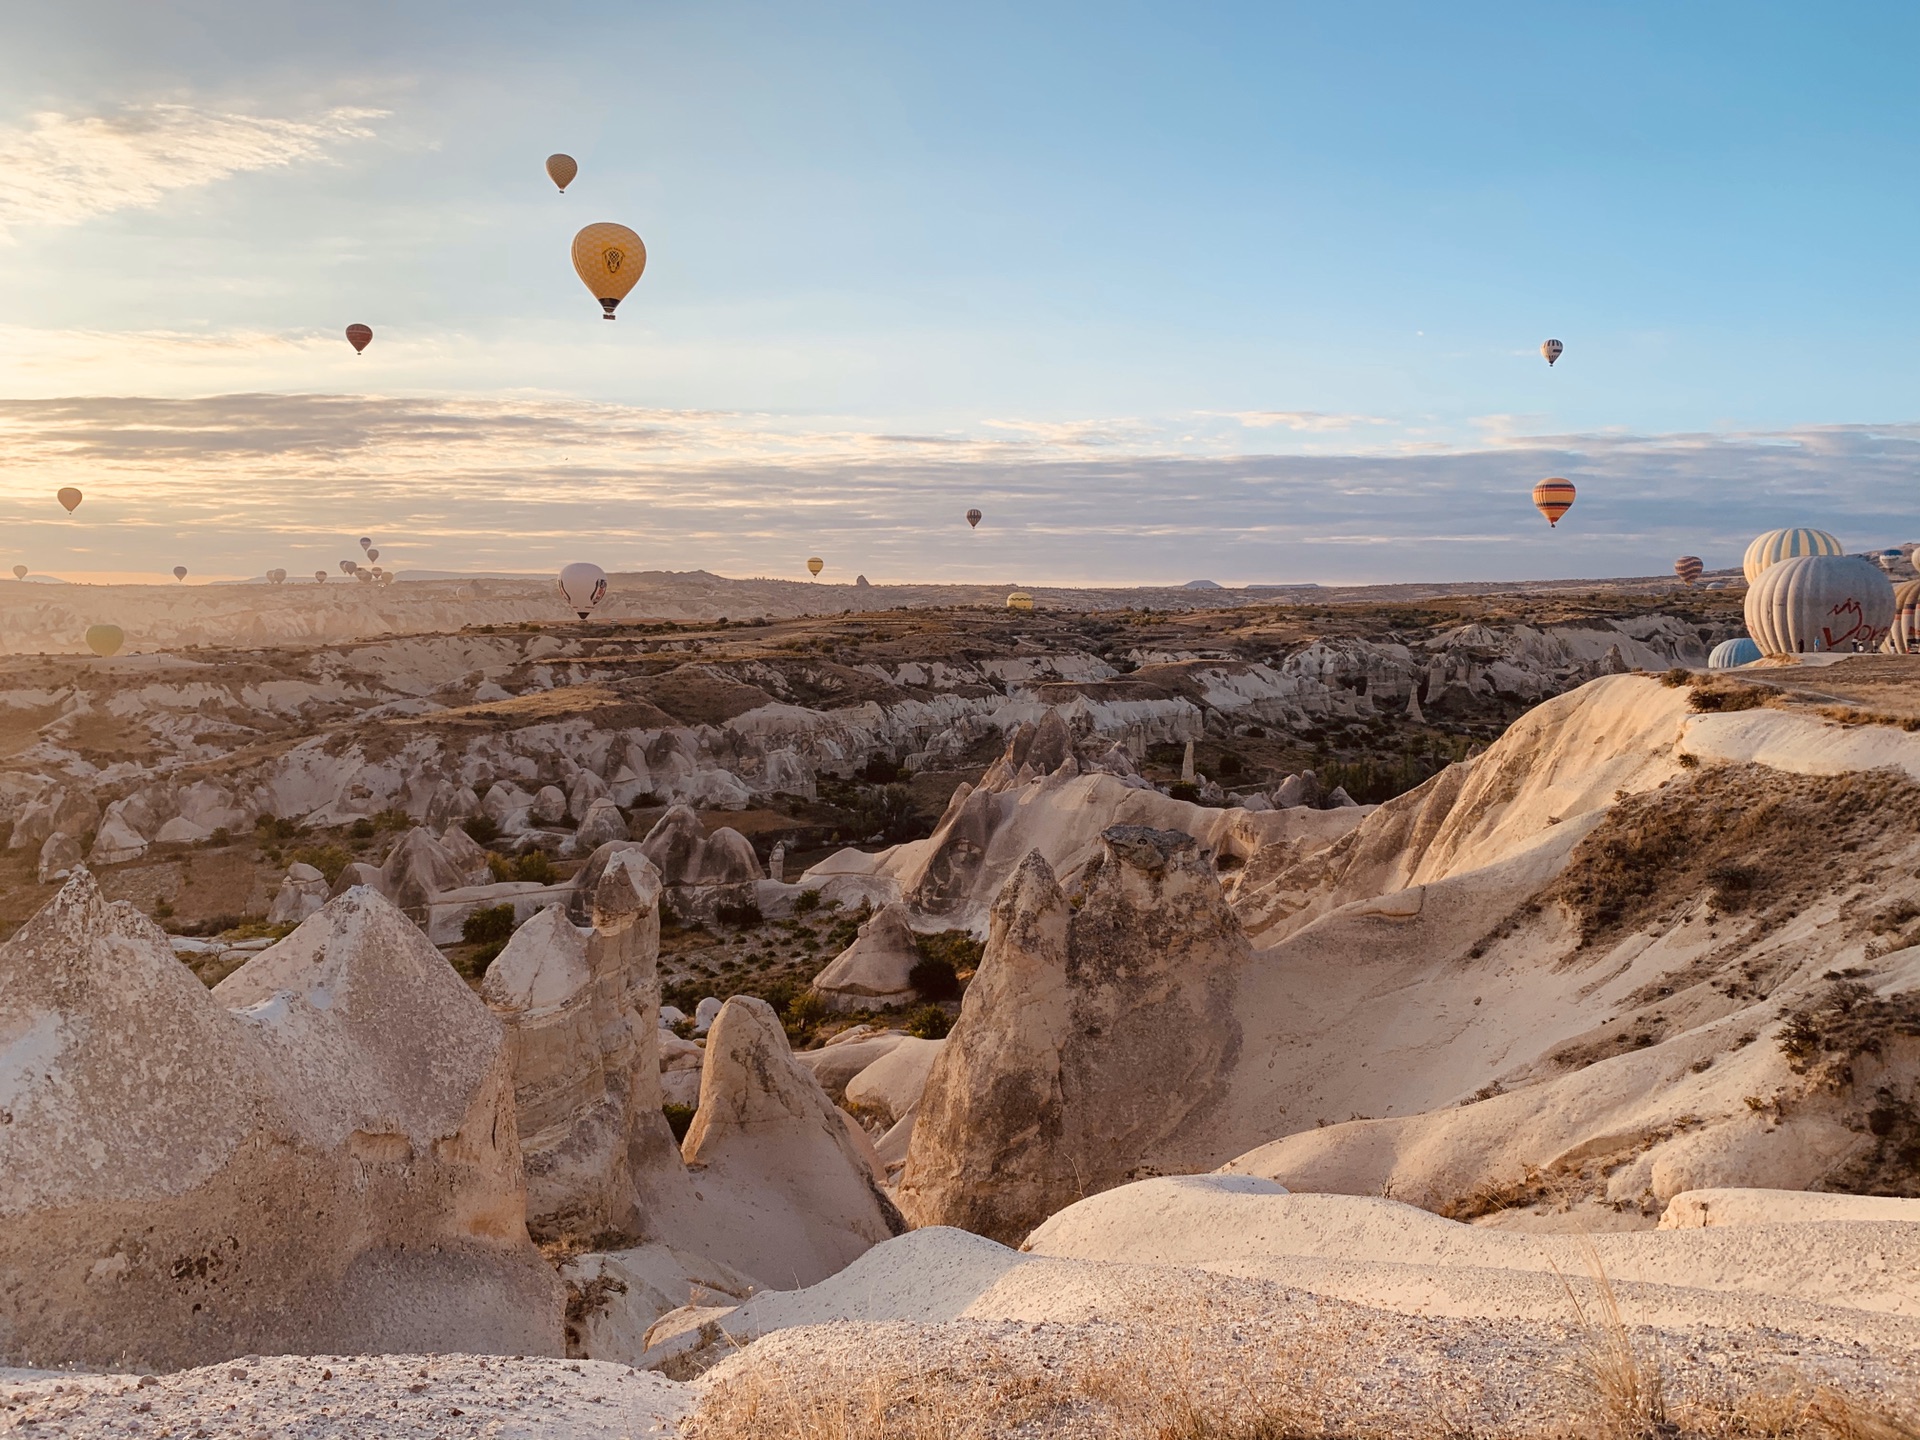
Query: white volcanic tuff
(876, 969)
(153, 1133)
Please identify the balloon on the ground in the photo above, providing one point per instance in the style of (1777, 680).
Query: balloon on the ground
(1811, 604)
(1729, 653)
(608, 258)
(105, 640)
(1688, 568)
(815, 565)
(583, 586)
(1777, 545)
(68, 497)
(973, 518)
(1553, 497)
(179, 572)
(1020, 600)
(1904, 637)
(359, 336)
(561, 169)
(19, 572)
(1552, 349)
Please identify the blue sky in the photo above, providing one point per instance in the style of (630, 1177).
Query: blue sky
(1261, 281)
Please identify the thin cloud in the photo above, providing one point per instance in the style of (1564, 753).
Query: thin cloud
(62, 169)
(1312, 422)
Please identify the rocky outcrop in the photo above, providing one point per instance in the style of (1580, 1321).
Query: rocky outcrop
(579, 1004)
(888, 1089)
(602, 824)
(1088, 1039)
(780, 1171)
(876, 969)
(301, 893)
(318, 1156)
(701, 872)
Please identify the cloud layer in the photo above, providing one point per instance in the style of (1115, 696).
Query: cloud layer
(62, 169)
(232, 484)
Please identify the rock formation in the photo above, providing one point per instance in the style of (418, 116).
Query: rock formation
(301, 894)
(318, 1156)
(701, 872)
(875, 970)
(1088, 1039)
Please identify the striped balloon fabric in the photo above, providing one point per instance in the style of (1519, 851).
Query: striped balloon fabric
(1553, 498)
(1730, 654)
(1688, 568)
(1777, 545)
(1904, 637)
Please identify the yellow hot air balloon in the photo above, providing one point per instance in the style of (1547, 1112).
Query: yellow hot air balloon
(608, 258)
(68, 497)
(1553, 498)
(561, 169)
(1778, 545)
(815, 565)
(1020, 600)
(105, 640)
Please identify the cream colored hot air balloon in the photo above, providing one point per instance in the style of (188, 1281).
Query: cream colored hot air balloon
(1904, 637)
(608, 258)
(561, 169)
(815, 565)
(19, 572)
(179, 572)
(1553, 350)
(1020, 600)
(583, 586)
(1778, 545)
(69, 497)
(1819, 603)
(105, 640)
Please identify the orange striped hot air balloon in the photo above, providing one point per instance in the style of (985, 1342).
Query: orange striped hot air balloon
(1688, 568)
(1553, 498)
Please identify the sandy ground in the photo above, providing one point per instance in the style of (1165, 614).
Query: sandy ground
(317, 1397)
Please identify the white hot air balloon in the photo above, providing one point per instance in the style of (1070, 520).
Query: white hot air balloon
(583, 586)
(1819, 603)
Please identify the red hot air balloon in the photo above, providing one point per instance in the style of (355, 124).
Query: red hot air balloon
(1553, 498)
(359, 336)
(1688, 568)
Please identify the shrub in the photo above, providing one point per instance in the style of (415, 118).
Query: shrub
(361, 829)
(275, 830)
(535, 866)
(679, 1118)
(887, 812)
(329, 860)
(392, 819)
(482, 828)
(1717, 699)
(1675, 678)
(880, 770)
(934, 979)
(220, 836)
(806, 902)
(738, 916)
(1231, 766)
(1181, 790)
(929, 1022)
(484, 926)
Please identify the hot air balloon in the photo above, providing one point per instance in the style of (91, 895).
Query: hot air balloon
(1778, 545)
(583, 586)
(815, 565)
(179, 572)
(973, 518)
(1020, 600)
(359, 336)
(1553, 350)
(68, 497)
(1729, 654)
(105, 640)
(365, 541)
(1816, 603)
(372, 554)
(561, 169)
(1904, 637)
(277, 577)
(1688, 568)
(347, 567)
(608, 258)
(320, 577)
(1553, 498)
(19, 572)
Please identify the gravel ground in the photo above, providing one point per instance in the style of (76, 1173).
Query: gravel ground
(317, 1397)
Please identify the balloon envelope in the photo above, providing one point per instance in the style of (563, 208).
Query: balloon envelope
(1816, 603)
(1688, 568)
(359, 336)
(105, 640)
(179, 572)
(1904, 637)
(1730, 653)
(1778, 545)
(1552, 349)
(583, 586)
(321, 576)
(815, 565)
(1020, 600)
(1553, 498)
(365, 541)
(276, 576)
(973, 518)
(561, 169)
(608, 258)
(68, 497)
(347, 567)
(19, 572)
(373, 554)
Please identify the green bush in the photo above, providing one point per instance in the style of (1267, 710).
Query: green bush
(329, 860)
(535, 866)
(806, 902)
(361, 829)
(275, 830)
(934, 979)
(929, 1022)
(679, 1118)
(738, 916)
(481, 828)
(392, 819)
(483, 927)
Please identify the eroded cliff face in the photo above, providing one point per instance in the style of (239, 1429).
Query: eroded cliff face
(1091, 1036)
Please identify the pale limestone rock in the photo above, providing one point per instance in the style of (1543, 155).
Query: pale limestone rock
(116, 840)
(418, 869)
(834, 1064)
(892, 1085)
(182, 831)
(585, 788)
(59, 857)
(602, 824)
(774, 1160)
(1089, 1038)
(705, 1013)
(617, 1295)
(701, 872)
(301, 894)
(873, 971)
(507, 805)
(68, 808)
(156, 1137)
(549, 805)
(469, 859)
(777, 861)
